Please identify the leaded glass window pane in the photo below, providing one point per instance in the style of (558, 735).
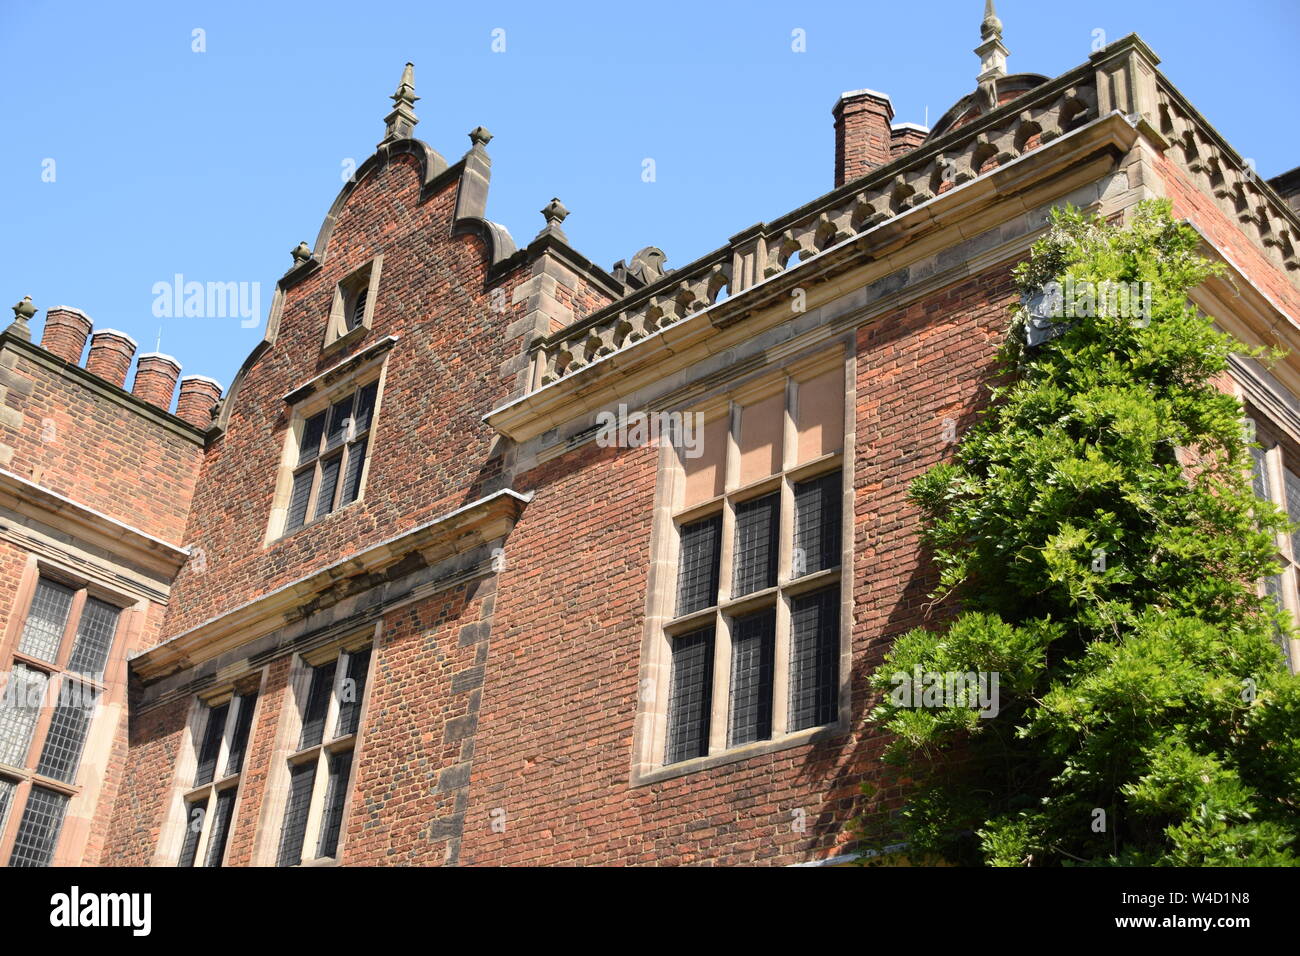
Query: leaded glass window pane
(352, 692)
(222, 815)
(690, 696)
(329, 481)
(817, 524)
(66, 736)
(195, 811)
(298, 498)
(247, 703)
(697, 567)
(38, 831)
(340, 773)
(94, 640)
(318, 702)
(814, 658)
(19, 709)
(753, 651)
(210, 748)
(302, 778)
(1293, 509)
(46, 621)
(754, 561)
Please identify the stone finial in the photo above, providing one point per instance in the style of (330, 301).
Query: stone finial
(301, 252)
(991, 26)
(480, 137)
(648, 264)
(993, 55)
(400, 123)
(554, 212)
(23, 311)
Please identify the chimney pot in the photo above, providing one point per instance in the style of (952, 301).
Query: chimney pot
(155, 379)
(110, 356)
(65, 333)
(905, 137)
(862, 134)
(198, 399)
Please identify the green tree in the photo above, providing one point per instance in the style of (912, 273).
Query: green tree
(1099, 536)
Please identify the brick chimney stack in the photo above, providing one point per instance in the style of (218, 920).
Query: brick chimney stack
(66, 331)
(862, 135)
(905, 137)
(110, 356)
(155, 379)
(199, 396)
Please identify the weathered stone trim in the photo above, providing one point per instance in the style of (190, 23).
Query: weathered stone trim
(876, 270)
(33, 514)
(488, 519)
(346, 367)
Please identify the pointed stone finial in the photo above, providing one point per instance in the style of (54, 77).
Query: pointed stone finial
(23, 311)
(301, 252)
(554, 212)
(993, 55)
(479, 137)
(991, 26)
(400, 123)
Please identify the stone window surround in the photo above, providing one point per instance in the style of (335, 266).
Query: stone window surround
(1281, 453)
(345, 292)
(172, 838)
(650, 728)
(366, 373)
(83, 793)
(276, 795)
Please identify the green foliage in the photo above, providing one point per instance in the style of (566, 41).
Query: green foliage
(1099, 532)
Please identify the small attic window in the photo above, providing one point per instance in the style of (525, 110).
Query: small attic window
(354, 303)
(357, 314)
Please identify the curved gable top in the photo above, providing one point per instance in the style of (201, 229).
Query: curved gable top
(473, 171)
(1008, 88)
(431, 165)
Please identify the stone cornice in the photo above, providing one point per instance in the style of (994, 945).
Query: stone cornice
(133, 546)
(470, 526)
(345, 367)
(866, 256)
(1118, 78)
(1219, 171)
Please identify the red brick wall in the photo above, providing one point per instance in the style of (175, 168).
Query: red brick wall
(1193, 203)
(155, 741)
(100, 453)
(536, 717)
(408, 796)
(430, 452)
(555, 738)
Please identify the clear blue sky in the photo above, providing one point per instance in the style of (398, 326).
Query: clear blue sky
(215, 164)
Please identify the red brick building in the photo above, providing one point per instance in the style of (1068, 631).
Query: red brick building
(396, 598)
